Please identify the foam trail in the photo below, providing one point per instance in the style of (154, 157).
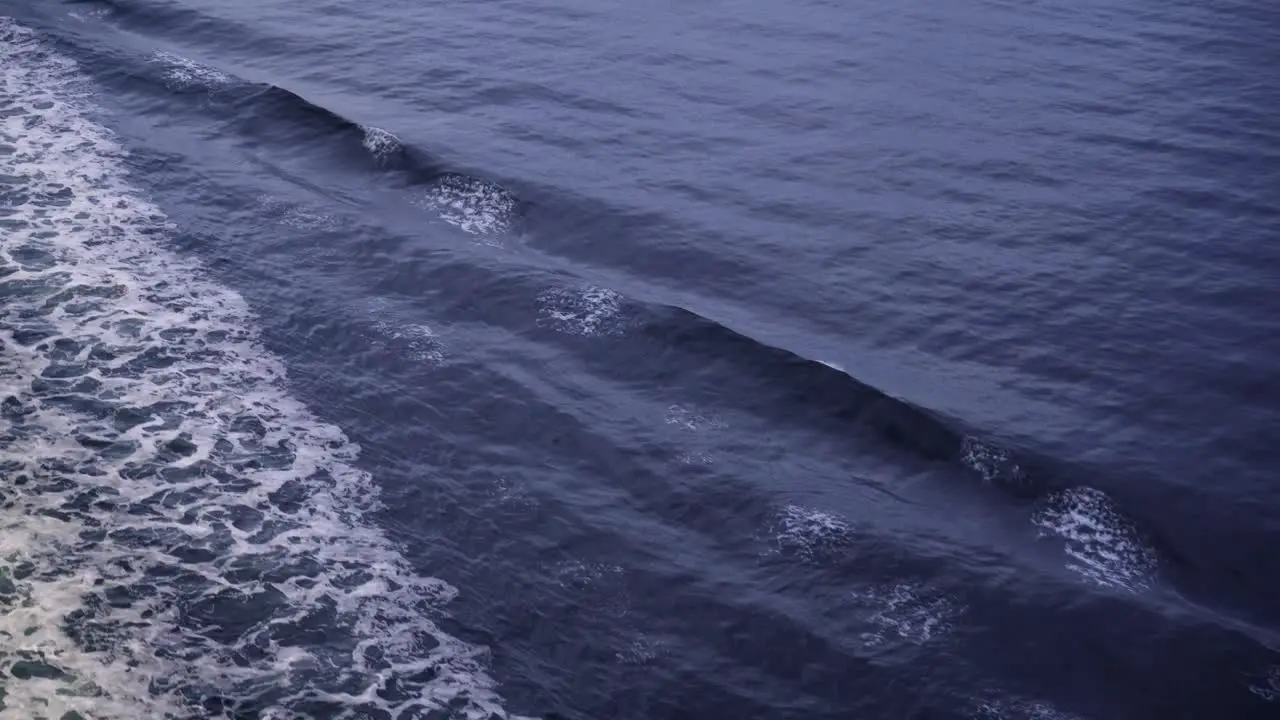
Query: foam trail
(179, 536)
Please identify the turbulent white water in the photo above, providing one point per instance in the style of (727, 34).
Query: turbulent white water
(1101, 544)
(179, 536)
(584, 311)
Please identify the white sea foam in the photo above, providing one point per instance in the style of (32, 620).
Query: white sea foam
(695, 458)
(578, 575)
(508, 493)
(174, 525)
(602, 586)
(641, 650)
(380, 143)
(184, 74)
(908, 611)
(1100, 542)
(91, 14)
(993, 463)
(1267, 684)
(477, 206)
(809, 534)
(295, 215)
(582, 311)
(416, 341)
(692, 419)
(420, 341)
(1018, 709)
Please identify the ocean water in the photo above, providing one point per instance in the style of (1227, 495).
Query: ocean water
(571, 360)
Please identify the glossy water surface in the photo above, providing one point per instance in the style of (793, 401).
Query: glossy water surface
(585, 360)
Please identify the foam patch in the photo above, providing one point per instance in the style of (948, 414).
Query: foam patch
(1101, 543)
(296, 216)
(381, 144)
(603, 583)
(690, 419)
(811, 535)
(641, 650)
(416, 341)
(1267, 684)
(991, 462)
(183, 74)
(907, 611)
(476, 206)
(585, 311)
(1019, 709)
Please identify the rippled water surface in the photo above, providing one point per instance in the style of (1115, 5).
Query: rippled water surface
(580, 360)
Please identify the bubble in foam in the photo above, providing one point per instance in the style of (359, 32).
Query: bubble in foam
(477, 206)
(811, 535)
(1101, 543)
(908, 611)
(178, 533)
(184, 74)
(582, 311)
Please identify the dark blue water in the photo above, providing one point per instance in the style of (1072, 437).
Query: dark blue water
(618, 360)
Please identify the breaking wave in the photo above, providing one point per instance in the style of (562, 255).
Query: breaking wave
(381, 144)
(475, 206)
(1102, 544)
(184, 74)
(582, 311)
(181, 536)
(811, 535)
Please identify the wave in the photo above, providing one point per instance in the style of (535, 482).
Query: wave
(797, 380)
(281, 116)
(582, 311)
(1103, 545)
(1100, 541)
(182, 537)
(172, 18)
(476, 205)
(184, 74)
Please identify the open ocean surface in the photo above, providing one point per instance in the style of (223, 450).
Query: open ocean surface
(640, 361)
